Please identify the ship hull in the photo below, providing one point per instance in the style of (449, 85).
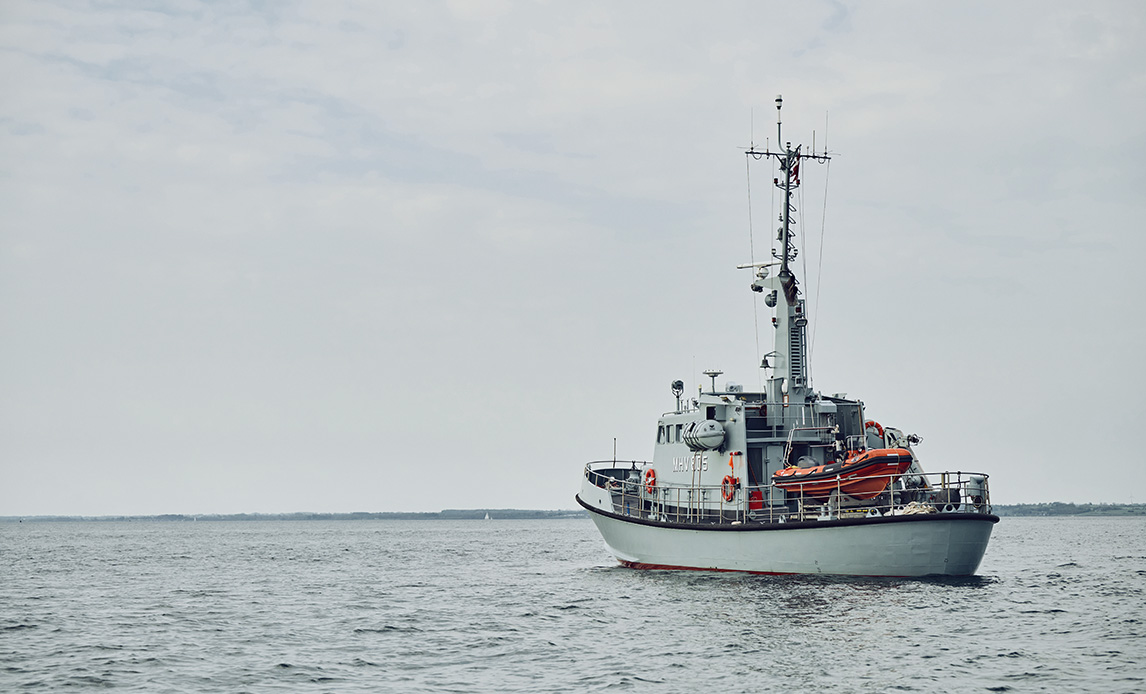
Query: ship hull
(947, 544)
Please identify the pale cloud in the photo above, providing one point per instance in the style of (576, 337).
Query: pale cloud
(309, 256)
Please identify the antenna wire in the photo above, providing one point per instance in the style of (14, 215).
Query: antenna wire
(752, 259)
(820, 265)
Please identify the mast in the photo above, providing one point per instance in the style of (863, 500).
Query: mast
(789, 380)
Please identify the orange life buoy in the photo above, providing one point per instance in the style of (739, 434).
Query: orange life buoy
(872, 423)
(728, 487)
(651, 481)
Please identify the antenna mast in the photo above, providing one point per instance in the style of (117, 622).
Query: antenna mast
(789, 381)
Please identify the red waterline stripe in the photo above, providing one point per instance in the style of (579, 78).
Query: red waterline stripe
(669, 567)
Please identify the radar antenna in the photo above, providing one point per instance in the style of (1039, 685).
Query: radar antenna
(713, 374)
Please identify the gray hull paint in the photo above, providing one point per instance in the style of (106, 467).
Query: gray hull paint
(950, 545)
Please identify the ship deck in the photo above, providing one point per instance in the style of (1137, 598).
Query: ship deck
(620, 492)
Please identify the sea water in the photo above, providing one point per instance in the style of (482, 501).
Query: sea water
(540, 605)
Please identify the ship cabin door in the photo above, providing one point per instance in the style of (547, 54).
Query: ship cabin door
(756, 472)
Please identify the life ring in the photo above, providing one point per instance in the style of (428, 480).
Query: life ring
(651, 481)
(872, 423)
(728, 487)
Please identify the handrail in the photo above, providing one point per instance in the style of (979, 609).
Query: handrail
(791, 436)
(904, 494)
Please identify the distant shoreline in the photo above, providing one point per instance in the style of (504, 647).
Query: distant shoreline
(1055, 508)
(1058, 508)
(448, 514)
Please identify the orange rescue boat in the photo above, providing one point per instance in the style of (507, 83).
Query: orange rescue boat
(862, 475)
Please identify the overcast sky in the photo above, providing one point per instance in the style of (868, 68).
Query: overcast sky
(341, 256)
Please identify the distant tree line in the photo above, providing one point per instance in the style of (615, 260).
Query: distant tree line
(1054, 508)
(448, 514)
(1059, 508)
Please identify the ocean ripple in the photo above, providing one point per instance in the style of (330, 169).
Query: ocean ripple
(539, 606)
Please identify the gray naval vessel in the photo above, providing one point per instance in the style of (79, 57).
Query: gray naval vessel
(787, 480)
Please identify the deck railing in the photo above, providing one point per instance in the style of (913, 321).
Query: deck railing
(904, 494)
